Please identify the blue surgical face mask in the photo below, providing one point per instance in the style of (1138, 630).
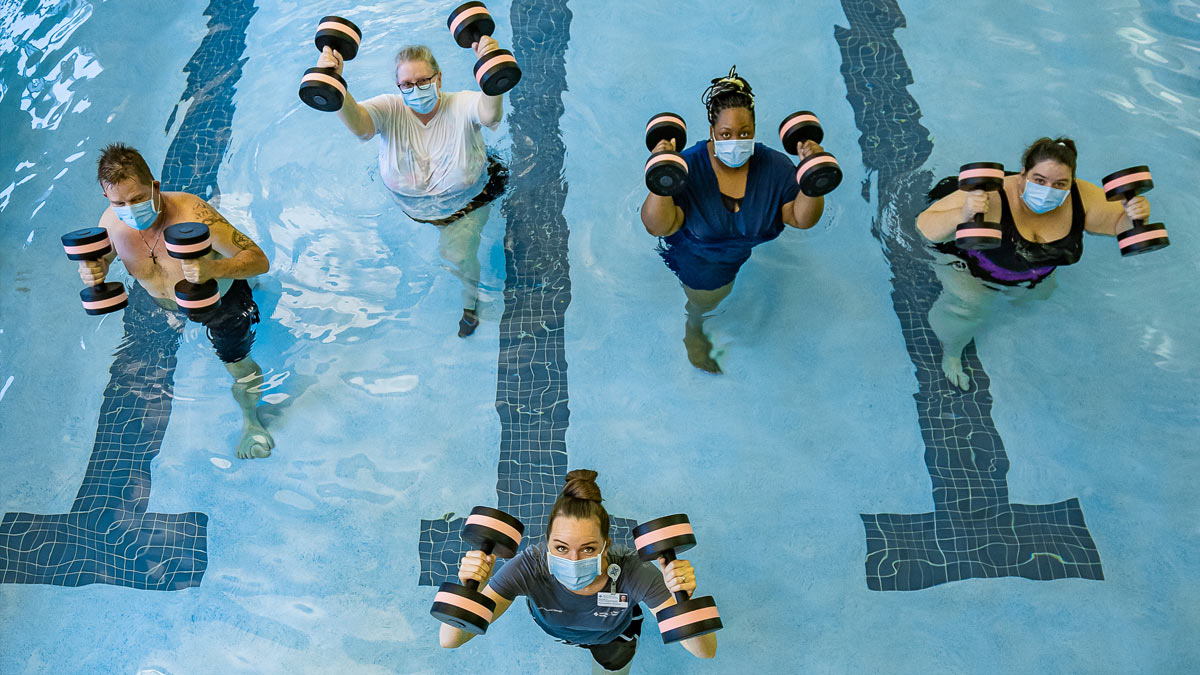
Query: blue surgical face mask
(574, 574)
(734, 153)
(1043, 198)
(139, 216)
(422, 102)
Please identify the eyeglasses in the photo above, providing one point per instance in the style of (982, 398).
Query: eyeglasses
(423, 84)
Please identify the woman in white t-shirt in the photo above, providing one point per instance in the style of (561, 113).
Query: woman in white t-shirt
(432, 156)
(564, 578)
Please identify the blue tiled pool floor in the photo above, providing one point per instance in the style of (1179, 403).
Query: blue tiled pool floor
(389, 428)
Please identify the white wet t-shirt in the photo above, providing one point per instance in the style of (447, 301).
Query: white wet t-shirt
(433, 170)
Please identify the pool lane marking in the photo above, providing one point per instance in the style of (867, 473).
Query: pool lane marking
(531, 381)
(108, 536)
(973, 531)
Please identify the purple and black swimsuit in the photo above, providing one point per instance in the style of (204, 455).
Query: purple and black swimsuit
(1018, 261)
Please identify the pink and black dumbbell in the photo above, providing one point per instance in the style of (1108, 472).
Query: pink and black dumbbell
(464, 607)
(1122, 186)
(323, 88)
(688, 618)
(91, 243)
(975, 234)
(496, 71)
(666, 171)
(188, 241)
(819, 174)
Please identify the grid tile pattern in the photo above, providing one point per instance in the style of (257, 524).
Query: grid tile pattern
(973, 532)
(531, 387)
(107, 536)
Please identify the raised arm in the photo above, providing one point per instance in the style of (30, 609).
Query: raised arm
(478, 567)
(353, 115)
(660, 215)
(1109, 218)
(803, 212)
(939, 221)
(243, 258)
(681, 577)
(491, 108)
(93, 272)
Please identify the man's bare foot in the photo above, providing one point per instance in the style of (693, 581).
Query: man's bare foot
(256, 442)
(468, 323)
(952, 367)
(698, 348)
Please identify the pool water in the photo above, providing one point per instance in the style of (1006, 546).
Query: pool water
(853, 513)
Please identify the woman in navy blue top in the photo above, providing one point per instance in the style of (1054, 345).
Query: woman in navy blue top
(739, 194)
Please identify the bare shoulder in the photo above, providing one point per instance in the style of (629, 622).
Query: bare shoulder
(199, 210)
(108, 219)
(1090, 192)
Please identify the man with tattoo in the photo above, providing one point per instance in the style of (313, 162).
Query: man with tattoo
(138, 214)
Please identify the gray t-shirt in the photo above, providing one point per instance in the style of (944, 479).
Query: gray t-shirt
(577, 618)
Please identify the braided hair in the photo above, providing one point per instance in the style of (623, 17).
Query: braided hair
(731, 91)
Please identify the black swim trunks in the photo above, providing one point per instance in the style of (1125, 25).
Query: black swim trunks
(497, 182)
(230, 326)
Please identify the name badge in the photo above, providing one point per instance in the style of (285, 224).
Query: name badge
(618, 600)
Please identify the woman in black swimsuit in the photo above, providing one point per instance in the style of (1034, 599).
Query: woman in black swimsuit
(1043, 212)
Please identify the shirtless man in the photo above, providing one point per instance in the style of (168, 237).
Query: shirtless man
(138, 214)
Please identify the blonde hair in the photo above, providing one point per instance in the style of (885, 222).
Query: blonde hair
(417, 53)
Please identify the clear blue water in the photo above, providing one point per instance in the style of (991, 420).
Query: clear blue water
(383, 417)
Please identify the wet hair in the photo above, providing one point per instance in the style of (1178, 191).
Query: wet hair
(119, 162)
(731, 91)
(417, 53)
(580, 499)
(1061, 150)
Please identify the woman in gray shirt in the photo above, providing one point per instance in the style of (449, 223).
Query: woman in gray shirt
(579, 589)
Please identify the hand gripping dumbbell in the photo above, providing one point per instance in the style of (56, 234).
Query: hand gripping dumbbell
(323, 88)
(666, 171)
(464, 607)
(975, 234)
(687, 618)
(497, 70)
(91, 243)
(1122, 186)
(819, 174)
(188, 241)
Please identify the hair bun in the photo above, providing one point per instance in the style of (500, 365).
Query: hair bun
(581, 484)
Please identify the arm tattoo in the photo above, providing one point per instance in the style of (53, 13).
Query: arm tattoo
(242, 241)
(209, 216)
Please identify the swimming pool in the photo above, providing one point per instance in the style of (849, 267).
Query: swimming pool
(319, 559)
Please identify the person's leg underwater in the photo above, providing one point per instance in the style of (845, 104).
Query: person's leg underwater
(701, 304)
(962, 307)
(458, 244)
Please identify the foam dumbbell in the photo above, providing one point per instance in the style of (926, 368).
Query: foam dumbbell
(688, 618)
(323, 88)
(496, 71)
(818, 174)
(91, 243)
(188, 241)
(464, 607)
(1122, 186)
(975, 234)
(666, 171)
